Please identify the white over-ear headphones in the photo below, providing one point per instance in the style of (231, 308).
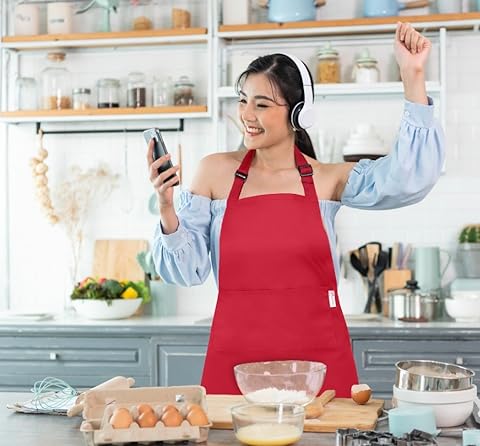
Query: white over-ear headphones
(302, 115)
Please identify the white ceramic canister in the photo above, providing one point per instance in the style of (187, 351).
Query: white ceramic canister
(59, 18)
(235, 12)
(26, 20)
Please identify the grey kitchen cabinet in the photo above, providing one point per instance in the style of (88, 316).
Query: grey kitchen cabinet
(180, 365)
(81, 361)
(376, 358)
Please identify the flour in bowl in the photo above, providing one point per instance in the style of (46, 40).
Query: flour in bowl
(274, 395)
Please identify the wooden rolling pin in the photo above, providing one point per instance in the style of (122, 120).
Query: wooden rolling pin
(118, 382)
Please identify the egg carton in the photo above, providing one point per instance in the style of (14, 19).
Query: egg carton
(99, 406)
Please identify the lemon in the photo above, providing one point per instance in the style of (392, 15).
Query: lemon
(130, 293)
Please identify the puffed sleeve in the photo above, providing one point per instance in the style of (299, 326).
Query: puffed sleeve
(408, 173)
(182, 257)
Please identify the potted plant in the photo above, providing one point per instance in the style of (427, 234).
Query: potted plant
(108, 298)
(469, 250)
(164, 295)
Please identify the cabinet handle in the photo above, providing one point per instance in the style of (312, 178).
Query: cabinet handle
(53, 356)
(459, 360)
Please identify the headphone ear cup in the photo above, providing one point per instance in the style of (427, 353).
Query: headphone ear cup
(305, 117)
(295, 116)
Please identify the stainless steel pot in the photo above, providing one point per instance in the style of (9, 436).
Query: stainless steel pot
(408, 303)
(432, 376)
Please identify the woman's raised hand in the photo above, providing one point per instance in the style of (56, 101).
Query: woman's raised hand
(411, 49)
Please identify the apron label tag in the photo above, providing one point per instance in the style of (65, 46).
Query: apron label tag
(331, 298)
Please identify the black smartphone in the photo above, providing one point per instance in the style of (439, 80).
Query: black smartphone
(159, 149)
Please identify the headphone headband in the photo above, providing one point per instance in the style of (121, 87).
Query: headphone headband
(302, 114)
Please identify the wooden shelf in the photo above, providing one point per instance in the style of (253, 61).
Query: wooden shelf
(349, 26)
(106, 114)
(125, 38)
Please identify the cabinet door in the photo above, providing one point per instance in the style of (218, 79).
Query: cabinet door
(180, 365)
(376, 359)
(82, 362)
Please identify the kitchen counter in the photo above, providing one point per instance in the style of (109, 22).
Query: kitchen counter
(49, 430)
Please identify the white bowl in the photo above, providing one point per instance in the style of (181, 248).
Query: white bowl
(451, 408)
(100, 309)
(463, 309)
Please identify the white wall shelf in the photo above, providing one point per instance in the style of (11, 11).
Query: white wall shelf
(347, 89)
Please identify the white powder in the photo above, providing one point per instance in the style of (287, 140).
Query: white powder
(274, 395)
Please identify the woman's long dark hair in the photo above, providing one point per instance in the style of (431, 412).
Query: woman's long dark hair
(283, 73)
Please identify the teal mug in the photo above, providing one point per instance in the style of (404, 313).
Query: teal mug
(428, 269)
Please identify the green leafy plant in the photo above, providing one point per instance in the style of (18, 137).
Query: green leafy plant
(110, 289)
(470, 234)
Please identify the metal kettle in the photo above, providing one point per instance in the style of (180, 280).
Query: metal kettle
(388, 8)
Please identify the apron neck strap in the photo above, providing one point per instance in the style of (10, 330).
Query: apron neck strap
(305, 170)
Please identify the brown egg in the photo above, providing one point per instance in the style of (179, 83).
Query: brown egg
(168, 407)
(197, 417)
(144, 408)
(121, 418)
(147, 419)
(361, 393)
(172, 417)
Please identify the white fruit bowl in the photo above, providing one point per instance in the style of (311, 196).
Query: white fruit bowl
(463, 309)
(451, 408)
(101, 309)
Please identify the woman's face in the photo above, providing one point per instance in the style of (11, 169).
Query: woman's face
(263, 112)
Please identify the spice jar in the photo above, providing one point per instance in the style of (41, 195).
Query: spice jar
(81, 98)
(365, 70)
(26, 93)
(108, 93)
(56, 84)
(328, 65)
(183, 91)
(181, 18)
(136, 90)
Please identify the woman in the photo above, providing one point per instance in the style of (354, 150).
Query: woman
(266, 217)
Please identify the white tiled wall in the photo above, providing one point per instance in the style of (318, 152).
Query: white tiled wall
(38, 251)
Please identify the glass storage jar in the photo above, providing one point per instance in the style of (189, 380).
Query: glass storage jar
(81, 98)
(328, 65)
(108, 93)
(162, 92)
(56, 84)
(142, 15)
(136, 90)
(183, 91)
(26, 93)
(365, 70)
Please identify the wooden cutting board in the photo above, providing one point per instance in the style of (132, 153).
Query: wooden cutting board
(339, 413)
(117, 259)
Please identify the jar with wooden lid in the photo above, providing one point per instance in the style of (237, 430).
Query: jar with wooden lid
(328, 65)
(183, 91)
(56, 83)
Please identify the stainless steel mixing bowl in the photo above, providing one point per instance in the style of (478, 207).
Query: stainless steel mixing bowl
(433, 376)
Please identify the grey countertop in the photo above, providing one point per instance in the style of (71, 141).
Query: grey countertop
(150, 325)
(18, 429)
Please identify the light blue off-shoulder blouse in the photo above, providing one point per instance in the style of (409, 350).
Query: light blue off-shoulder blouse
(403, 177)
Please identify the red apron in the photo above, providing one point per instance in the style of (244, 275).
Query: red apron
(277, 287)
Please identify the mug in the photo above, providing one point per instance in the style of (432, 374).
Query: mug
(428, 272)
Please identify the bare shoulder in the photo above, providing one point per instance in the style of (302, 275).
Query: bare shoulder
(330, 179)
(215, 173)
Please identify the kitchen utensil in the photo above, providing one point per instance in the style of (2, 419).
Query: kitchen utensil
(463, 309)
(296, 382)
(451, 408)
(288, 11)
(108, 6)
(357, 263)
(117, 259)
(339, 413)
(427, 267)
(388, 8)
(432, 376)
(257, 424)
(410, 304)
(403, 420)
